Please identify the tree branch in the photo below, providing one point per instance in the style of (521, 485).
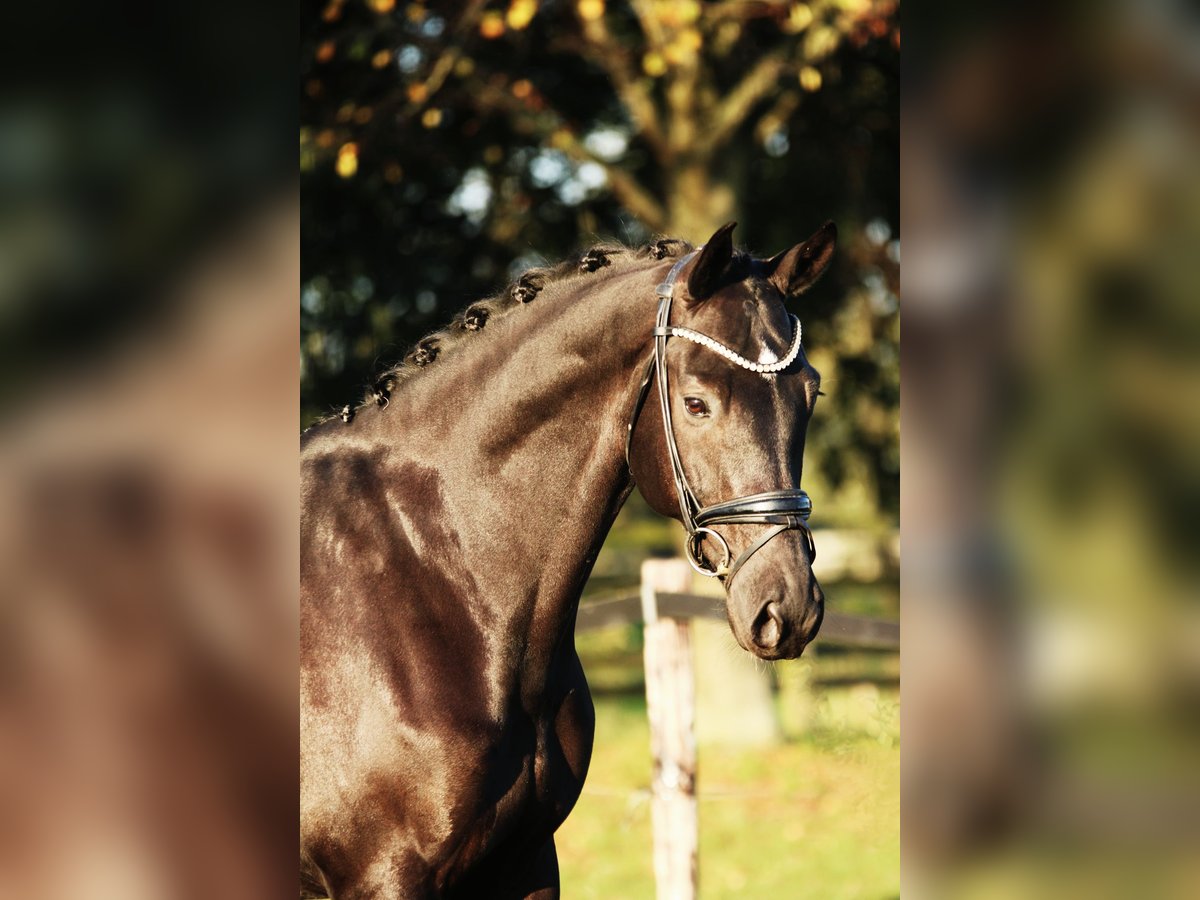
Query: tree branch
(739, 102)
(651, 27)
(551, 127)
(778, 113)
(632, 90)
(632, 194)
(447, 59)
(743, 10)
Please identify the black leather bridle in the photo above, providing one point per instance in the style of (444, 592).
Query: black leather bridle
(783, 509)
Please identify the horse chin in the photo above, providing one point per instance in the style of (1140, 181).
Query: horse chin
(777, 628)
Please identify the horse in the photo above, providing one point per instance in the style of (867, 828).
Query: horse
(450, 520)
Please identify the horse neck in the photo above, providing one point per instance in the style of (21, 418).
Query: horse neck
(528, 444)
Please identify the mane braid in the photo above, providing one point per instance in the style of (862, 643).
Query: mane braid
(524, 290)
(476, 316)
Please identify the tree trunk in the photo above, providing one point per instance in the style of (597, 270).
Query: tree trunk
(697, 203)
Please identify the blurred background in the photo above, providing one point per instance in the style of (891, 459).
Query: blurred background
(1051, 437)
(446, 148)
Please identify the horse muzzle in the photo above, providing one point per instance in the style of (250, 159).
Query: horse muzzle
(776, 606)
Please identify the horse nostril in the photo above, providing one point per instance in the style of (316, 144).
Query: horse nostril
(768, 626)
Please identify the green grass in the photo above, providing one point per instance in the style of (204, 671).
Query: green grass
(817, 817)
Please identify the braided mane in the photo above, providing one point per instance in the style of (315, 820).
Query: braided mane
(475, 317)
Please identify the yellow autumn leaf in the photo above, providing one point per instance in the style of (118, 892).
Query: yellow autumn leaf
(810, 79)
(675, 53)
(820, 42)
(347, 160)
(590, 10)
(491, 26)
(690, 39)
(521, 13)
(800, 16)
(653, 64)
(854, 8)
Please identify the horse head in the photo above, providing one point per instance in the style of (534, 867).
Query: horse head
(735, 394)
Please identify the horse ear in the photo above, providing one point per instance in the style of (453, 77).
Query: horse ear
(795, 271)
(711, 264)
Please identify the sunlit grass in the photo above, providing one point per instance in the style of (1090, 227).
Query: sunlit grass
(817, 817)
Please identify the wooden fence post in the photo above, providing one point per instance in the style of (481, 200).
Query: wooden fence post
(671, 707)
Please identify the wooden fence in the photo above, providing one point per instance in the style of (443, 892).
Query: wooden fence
(837, 629)
(667, 609)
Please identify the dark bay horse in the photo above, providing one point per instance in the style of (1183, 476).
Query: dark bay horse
(450, 521)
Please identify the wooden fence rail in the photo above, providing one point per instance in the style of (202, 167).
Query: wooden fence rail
(838, 629)
(667, 611)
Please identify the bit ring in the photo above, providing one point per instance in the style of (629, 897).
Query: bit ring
(696, 559)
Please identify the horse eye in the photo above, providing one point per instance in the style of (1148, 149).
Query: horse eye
(695, 406)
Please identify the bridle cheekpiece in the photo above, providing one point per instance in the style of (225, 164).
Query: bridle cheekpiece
(783, 509)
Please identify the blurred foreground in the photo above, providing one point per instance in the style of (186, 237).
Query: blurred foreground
(149, 544)
(148, 280)
(1051, 441)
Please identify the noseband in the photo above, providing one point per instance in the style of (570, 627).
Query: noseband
(783, 510)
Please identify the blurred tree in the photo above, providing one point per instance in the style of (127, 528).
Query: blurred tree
(445, 148)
